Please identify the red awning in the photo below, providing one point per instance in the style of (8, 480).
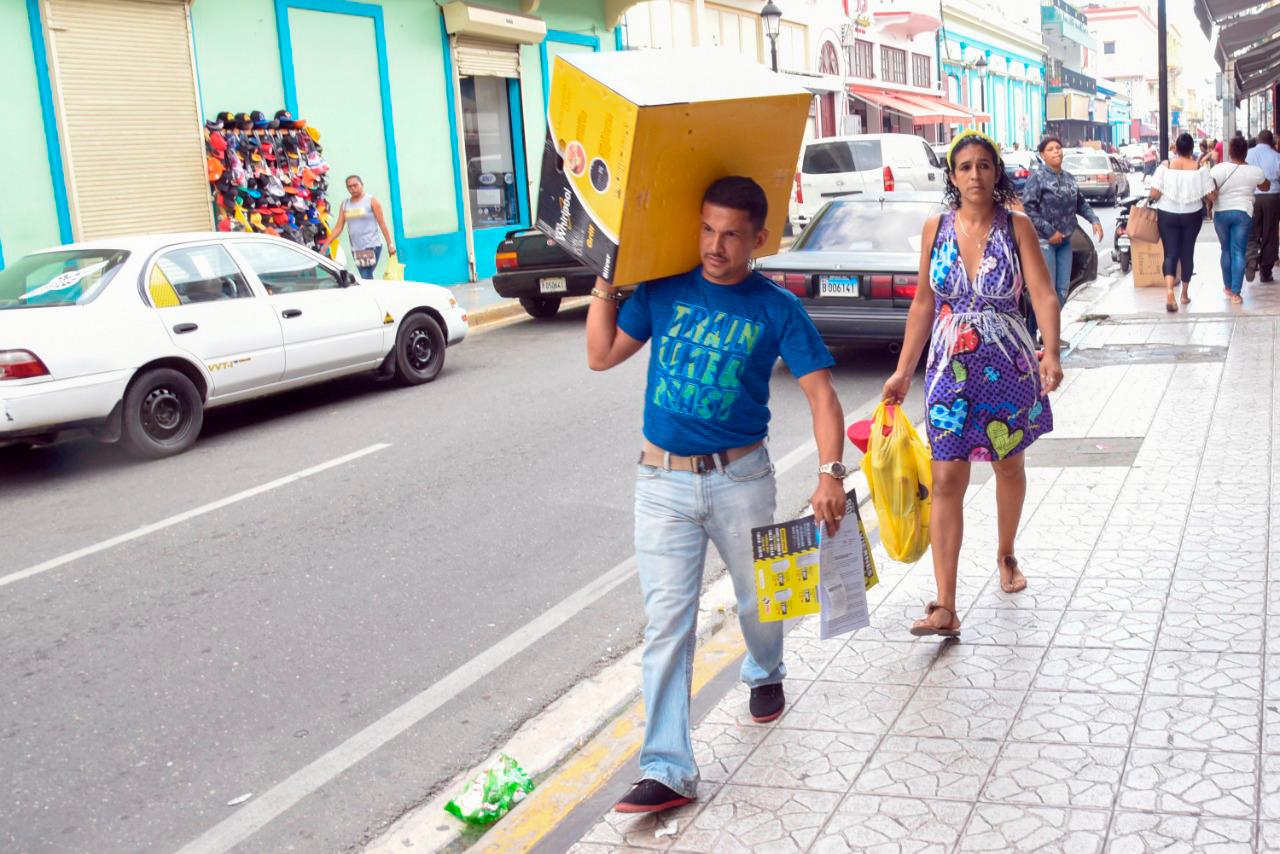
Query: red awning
(922, 109)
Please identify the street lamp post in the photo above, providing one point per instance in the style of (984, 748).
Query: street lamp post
(980, 67)
(772, 17)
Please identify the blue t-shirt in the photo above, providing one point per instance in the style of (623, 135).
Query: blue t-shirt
(713, 352)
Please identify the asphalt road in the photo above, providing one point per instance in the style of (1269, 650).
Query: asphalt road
(150, 683)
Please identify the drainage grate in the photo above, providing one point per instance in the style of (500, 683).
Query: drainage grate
(1110, 355)
(1051, 452)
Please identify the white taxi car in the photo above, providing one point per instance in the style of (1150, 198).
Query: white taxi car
(132, 339)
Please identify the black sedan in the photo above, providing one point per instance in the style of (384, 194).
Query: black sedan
(855, 265)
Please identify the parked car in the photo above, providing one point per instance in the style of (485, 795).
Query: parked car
(1020, 165)
(1095, 174)
(855, 267)
(839, 167)
(534, 269)
(131, 340)
(1133, 155)
(940, 150)
(1123, 169)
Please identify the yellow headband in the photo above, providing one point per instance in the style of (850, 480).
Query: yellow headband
(966, 134)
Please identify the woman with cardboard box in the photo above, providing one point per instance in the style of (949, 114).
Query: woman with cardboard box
(1179, 190)
(985, 392)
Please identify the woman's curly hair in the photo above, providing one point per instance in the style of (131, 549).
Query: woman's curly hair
(1004, 194)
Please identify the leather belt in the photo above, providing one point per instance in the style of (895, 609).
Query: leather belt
(652, 455)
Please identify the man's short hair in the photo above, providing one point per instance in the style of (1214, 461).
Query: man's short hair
(1266, 137)
(739, 194)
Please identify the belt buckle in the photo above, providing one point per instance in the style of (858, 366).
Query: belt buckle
(700, 463)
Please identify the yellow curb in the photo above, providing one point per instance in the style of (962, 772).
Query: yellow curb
(506, 310)
(596, 763)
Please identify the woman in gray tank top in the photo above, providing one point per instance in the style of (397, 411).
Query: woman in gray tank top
(362, 216)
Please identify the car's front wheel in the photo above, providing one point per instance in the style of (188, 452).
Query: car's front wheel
(419, 350)
(541, 306)
(162, 416)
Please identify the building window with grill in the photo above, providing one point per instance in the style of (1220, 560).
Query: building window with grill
(1108, 47)
(893, 64)
(921, 70)
(860, 61)
(828, 60)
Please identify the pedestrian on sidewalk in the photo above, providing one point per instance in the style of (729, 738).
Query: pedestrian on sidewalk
(1264, 234)
(704, 471)
(1179, 190)
(1234, 184)
(985, 393)
(362, 215)
(1149, 158)
(1052, 199)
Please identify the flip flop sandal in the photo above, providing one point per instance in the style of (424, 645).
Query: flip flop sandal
(1011, 562)
(922, 629)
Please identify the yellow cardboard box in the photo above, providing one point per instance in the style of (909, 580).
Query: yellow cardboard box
(635, 138)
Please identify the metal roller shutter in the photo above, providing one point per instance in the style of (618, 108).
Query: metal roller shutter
(480, 58)
(128, 115)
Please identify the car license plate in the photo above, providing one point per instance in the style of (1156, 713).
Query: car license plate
(554, 285)
(837, 286)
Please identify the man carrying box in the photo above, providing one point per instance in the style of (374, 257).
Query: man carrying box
(705, 472)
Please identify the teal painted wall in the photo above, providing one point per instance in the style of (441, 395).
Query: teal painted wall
(238, 55)
(29, 219)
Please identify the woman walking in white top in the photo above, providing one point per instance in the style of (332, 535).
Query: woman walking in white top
(1178, 190)
(1235, 181)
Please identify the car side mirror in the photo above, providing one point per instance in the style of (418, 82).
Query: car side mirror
(347, 278)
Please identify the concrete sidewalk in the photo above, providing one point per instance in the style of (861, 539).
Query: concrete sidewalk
(1128, 700)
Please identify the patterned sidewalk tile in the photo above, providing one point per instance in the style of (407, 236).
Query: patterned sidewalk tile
(1151, 512)
(1211, 632)
(847, 707)
(1051, 594)
(1120, 594)
(646, 831)
(1217, 596)
(882, 662)
(1029, 830)
(1009, 668)
(719, 749)
(1185, 781)
(980, 713)
(1271, 675)
(1142, 537)
(806, 657)
(1076, 718)
(1199, 723)
(1105, 564)
(1140, 833)
(1052, 563)
(826, 761)
(1271, 726)
(1206, 674)
(885, 824)
(1239, 534)
(1107, 629)
(1269, 837)
(1063, 532)
(1009, 626)
(1059, 775)
(927, 767)
(1222, 564)
(1271, 787)
(1115, 671)
(747, 819)
(1067, 515)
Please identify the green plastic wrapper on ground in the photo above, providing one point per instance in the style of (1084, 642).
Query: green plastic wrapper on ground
(491, 793)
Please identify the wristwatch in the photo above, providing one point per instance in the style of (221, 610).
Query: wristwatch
(836, 470)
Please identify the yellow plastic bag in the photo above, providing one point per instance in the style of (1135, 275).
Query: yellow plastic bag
(394, 271)
(900, 476)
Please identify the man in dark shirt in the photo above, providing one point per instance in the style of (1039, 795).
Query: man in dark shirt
(704, 472)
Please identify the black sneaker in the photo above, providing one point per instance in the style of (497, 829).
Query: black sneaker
(767, 703)
(650, 796)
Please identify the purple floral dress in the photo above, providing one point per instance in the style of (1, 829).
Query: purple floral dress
(983, 380)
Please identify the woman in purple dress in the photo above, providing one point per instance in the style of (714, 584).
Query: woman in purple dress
(985, 391)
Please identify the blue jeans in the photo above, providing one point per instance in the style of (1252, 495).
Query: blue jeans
(367, 272)
(1058, 260)
(1233, 229)
(676, 514)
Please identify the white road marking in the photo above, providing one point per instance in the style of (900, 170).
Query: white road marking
(102, 546)
(253, 816)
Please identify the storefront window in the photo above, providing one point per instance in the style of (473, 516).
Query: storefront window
(491, 179)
